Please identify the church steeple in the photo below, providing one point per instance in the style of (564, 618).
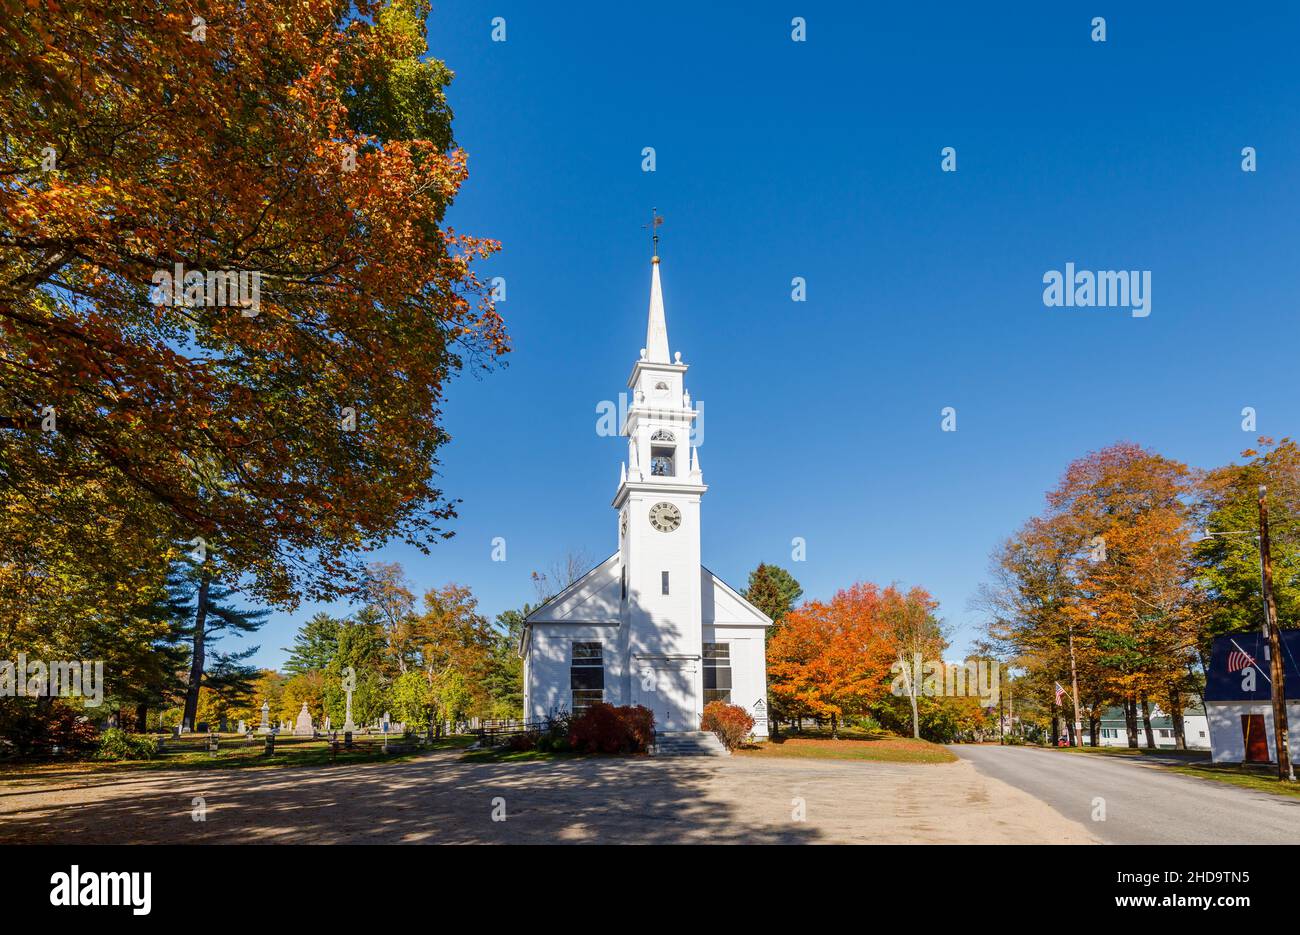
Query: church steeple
(656, 332)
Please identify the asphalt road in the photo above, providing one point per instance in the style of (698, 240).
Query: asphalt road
(1143, 804)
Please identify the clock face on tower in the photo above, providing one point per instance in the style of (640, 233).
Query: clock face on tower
(665, 517)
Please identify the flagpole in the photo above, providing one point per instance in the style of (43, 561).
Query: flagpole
(1074, 690)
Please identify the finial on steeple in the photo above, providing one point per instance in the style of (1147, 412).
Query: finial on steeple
(655, 220)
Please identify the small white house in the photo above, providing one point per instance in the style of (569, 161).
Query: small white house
(1112, 731)
(651, 625)
(1239, 697)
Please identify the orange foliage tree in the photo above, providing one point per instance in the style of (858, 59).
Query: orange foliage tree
(309, 143)
(830, 659)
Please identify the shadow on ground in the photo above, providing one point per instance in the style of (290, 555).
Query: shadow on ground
(433, 799)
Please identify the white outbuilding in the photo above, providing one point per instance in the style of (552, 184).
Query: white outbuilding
(1239, 697)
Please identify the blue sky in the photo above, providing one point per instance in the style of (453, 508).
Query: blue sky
(821, 159)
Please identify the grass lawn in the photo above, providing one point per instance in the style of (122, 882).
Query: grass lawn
(235, 753)
(851, 745)
(1258, 776)
(501, 755)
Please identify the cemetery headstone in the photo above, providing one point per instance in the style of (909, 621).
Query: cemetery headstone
(304, 727)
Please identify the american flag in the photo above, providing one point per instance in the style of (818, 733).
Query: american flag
(1060, 693)
(1237, 660)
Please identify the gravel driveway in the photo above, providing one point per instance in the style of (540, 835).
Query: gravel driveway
(440, 799)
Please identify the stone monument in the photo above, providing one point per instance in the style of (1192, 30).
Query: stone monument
(304, 727)
(349, 686)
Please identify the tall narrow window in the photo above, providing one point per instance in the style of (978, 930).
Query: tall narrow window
(665, 581)
(717, 672)
(624, 582)
(586, 675)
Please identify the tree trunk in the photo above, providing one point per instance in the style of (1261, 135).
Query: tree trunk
(196, 664)
(835, 731)
(1131, 721)
(1094, 728)
(1176, 715)
(141, 718)
(1146, 723)
(916, 717)
(1056, 728)
(1069, 729)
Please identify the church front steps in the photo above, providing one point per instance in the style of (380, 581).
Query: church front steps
(689, 743)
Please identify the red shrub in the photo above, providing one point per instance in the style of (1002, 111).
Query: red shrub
(603, 728)
(730, 722)
(27, 728)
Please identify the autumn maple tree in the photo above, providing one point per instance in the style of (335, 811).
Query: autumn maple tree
(309, 143)
(830, 659)
(1104, 581)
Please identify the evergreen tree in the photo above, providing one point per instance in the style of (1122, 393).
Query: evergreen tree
(203, 605)
(314, 645)
(774, 591)
(505, 680)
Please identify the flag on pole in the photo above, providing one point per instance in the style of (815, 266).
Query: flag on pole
(1060, 693)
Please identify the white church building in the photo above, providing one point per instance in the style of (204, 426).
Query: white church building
(650, 625)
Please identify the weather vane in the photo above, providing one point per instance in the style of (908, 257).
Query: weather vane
(653, 227)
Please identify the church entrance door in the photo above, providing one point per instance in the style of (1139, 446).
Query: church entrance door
(667, 687)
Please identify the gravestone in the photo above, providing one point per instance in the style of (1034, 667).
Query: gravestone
(243, 728)
(266, 723)
(304, 727)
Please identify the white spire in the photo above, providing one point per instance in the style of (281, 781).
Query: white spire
(656, 332)
(695, 461)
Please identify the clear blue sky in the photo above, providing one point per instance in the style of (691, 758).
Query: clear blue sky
(822, 159)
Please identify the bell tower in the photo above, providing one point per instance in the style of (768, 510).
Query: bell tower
(658, 503)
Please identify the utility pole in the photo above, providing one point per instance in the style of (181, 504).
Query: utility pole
(1271, 632)
(1074, 692)
(1011, 706)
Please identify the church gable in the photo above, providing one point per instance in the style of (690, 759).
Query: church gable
(593, 598)
(722, 604)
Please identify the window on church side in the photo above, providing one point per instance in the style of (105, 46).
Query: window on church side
(665, 581)
(717, 672)
(586, 675)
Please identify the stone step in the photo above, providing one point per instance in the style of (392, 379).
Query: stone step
(689, 743)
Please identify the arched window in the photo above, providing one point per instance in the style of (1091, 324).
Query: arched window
(663, 452)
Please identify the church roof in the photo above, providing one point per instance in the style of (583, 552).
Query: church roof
(595, 599)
